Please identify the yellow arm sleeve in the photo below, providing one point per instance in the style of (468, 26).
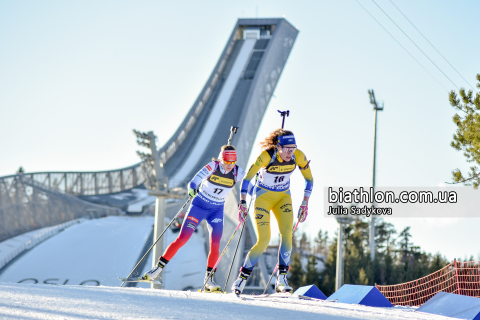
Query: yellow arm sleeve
(262, 161)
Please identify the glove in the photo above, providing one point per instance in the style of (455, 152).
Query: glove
(192, 192)
(242, 211)
(303, 211)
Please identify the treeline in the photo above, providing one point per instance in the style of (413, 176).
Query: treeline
(397, 259)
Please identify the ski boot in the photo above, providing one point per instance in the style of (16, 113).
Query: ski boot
(239, 284)
(281, 284)
(155, 272)
(210, 285)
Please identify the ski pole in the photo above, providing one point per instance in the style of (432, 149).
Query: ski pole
(240, 237)
(231, 265)
(225, 249)
(168, 226)
(276, 267)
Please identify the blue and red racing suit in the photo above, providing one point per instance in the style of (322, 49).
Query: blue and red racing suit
(214, 184)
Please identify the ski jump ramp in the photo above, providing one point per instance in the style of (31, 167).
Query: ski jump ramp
(237, 94)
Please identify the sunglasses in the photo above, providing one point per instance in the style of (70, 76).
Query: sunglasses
(289, 149)
(229, 162)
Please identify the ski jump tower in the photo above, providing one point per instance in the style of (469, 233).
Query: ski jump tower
(237, 94)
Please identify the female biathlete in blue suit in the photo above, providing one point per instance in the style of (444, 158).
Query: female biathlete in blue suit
(211, 185)
(275, 165)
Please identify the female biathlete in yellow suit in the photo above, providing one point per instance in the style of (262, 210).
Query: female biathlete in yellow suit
(275, 165)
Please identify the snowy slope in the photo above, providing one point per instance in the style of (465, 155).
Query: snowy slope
(97, 252)
(90, 253)
(13, 247)
(28, 301)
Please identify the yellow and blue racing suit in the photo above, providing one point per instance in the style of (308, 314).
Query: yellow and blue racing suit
(272, 194)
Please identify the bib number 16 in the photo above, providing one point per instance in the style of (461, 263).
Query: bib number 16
(279, 179)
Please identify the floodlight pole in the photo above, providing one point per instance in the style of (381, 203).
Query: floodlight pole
(339, 268)
(376, 107)
(342, 222)
(161, 192)
(160, 205)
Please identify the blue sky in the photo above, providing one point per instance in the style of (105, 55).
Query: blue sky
(77, 76)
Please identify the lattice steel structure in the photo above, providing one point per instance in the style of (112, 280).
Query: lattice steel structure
(26, 205)
(92, 183)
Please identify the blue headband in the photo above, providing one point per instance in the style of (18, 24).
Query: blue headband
(284, 140)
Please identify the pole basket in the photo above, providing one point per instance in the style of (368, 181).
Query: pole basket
(457, 277)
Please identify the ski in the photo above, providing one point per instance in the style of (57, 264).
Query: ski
(139, 280)
(215, 291)
(282, 295)
(239, 297)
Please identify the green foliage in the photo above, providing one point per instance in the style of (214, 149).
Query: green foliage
(312, 276)
(20, 170)
(304, 244)
(327, 282)
(397, 259)
(362, 277)
(297, 274)
(467, 136)
(321, 243)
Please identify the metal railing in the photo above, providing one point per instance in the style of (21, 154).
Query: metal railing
(27, 205)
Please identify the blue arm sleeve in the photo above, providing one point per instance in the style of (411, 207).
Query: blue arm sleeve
(245, 184)
(192, 185)
(201, 175)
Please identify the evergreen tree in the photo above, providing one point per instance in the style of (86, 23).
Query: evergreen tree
(405, 244)
(362, 277)
(467, 137)
(384, 232)
(312, 276)
(296, 272)
(303, 245)
(356, 257)
(397, 260)
(327, 282)
(437, 263)
(391, 275)
(20, 170)
(321, 243)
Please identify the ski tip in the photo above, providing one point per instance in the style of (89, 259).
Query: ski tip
(139, 279)
(238, 296)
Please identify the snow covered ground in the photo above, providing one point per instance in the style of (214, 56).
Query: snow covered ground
(29, 301)
(96, 252)
(13, 247)
(73, 275)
